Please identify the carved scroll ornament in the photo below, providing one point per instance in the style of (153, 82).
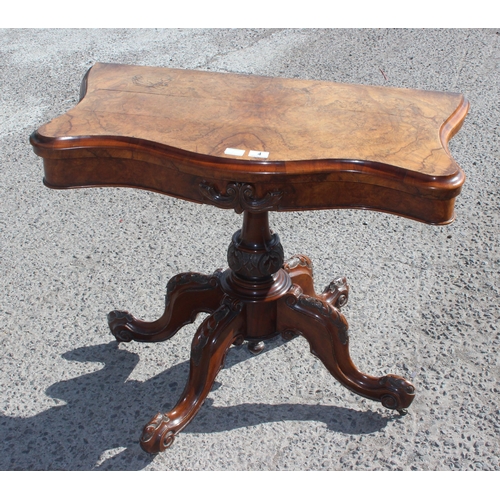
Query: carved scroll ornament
(240, 197)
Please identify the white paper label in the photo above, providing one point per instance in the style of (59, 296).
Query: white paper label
(259, 154)
(234, 152)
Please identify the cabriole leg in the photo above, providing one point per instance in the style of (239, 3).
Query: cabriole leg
(187, 295)
(208, 349)
(325, 328)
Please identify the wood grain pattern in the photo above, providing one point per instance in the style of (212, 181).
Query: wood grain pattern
(330, 145)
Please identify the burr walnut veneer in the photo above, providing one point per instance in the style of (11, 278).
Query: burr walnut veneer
(257, 144)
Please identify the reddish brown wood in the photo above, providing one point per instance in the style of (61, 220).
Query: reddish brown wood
(188, 294)
(331, 146)
(325, 328)
(300, 269)
(208, 350)
(254, 308)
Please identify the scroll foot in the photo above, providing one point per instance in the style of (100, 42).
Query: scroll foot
(208, 349)
(158, 428)
(326, 330)
(187, 295)
(398, 393)
(336, 293)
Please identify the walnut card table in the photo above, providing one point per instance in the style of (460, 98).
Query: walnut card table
(256, 144)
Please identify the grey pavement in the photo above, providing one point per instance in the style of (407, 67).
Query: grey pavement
(424, 300)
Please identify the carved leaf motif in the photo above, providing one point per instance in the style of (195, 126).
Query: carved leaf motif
(240, 197)
(211, 324)
(255, 264)
(298, 260)
(200, 281)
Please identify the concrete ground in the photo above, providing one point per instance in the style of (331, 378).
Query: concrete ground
(424, 300)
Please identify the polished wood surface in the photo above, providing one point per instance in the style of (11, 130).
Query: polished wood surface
(330, 145)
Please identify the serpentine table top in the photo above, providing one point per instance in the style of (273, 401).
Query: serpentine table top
(257, 143)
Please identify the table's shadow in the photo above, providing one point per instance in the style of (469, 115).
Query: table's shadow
(103, 411)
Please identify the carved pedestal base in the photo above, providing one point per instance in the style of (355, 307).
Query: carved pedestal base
(257, 298)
